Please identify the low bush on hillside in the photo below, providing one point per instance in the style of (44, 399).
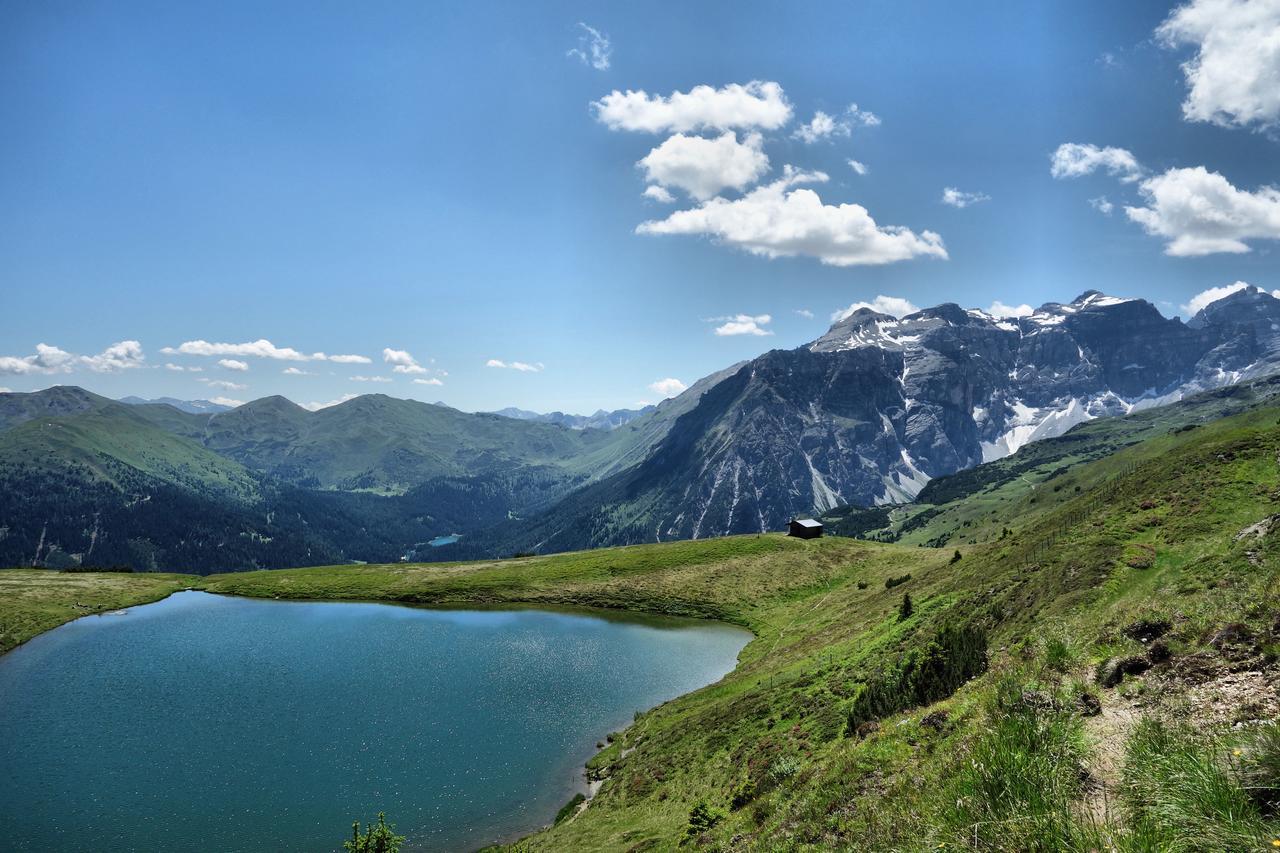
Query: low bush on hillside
(923, 676)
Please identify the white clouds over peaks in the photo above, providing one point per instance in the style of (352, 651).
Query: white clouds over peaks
(775, 221)
(227, 401)
(261, 348)
(703, 167)
(1074, 160)
(523, 367)
(431, 381)
(668, 387)
(232, 364)
(1234, 78)
(401, 361)
(1201, 212)
(957, 198)
(735, 106)
(999, 309)
(1205, 298)
(594, 48)
(895, 306)
(124, 355)
(317, 406)
(742, 324)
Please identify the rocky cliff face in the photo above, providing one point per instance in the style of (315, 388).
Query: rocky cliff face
(877, 406)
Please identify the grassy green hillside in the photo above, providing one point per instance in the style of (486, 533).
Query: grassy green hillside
(1099, 671)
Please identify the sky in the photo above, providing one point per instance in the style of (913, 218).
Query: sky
(574, 206)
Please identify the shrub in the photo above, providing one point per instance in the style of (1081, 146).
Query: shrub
(570, 808)
(906, 608)
(377, 839)
(702, 819)
(923, 676)
(890, 583)
(956, 557)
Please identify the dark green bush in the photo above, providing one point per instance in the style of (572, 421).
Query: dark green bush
(923, 676)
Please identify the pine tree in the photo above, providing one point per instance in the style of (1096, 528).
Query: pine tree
(906, 608)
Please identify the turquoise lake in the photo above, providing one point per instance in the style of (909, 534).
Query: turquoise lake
(210, 723)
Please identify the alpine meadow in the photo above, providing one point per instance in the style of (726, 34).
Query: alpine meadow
(640, 427)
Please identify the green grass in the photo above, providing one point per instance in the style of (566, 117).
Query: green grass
(1006, 760)
(36, 600)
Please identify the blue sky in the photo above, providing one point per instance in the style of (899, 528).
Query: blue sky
(429, 186)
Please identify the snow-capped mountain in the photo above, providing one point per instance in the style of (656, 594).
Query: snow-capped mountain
(879, 405)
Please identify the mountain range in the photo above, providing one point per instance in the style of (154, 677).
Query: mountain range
(865, 415)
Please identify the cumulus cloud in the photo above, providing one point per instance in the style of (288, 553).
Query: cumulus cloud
(47, 359)
(823, 126)
(317, 406)
(805, 313)
(1102, 205)
(742, 324)
(594, 48)
(296, 371)
(370, 379)
(999, 309)
(775, 220)
(179, 368)
(1201, 212)
(1234, 78)
(227, 401)
(1207, 297)
(401, 361)
(523, 367)
(658, 194)
(1074, 160)
(703, 167)
(432, 381)
(895, 306)
(232, 364)
(736, 106)
(224, 384)
(859, 168)
(668, 387)
(261, 348)
(959, 198)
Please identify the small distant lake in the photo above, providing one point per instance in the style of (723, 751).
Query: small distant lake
(205, 722)
(444, 540)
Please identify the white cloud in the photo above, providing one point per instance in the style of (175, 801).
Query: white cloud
(296, 371)
(1102, 205)
(227, 401)
(431, 381)
(1201, 212)
(702, 167)
(742, 324)
(401, 361)
(370, 379)
(823, 126)
(999, 309)
(5, 390)
(776, 221)
(124, 355)
(178, 368)
(232, 364)
(1234, 78)
(523, 367)
(1074, 160)
(858, 167)
(1205, 298)
(735, 106)
(658, 194)
(224, 384)
(261, 348)
(668, 387)
(895, 306)
(959, 198)
(594, 48)
(317, 406)
(805, 313)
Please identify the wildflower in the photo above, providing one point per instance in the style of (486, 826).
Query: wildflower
(1237, 753)
(1275, 842)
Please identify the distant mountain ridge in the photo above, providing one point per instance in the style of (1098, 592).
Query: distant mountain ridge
(194, 407)
(866, 414)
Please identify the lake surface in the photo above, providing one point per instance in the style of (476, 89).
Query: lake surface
(209, 723)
